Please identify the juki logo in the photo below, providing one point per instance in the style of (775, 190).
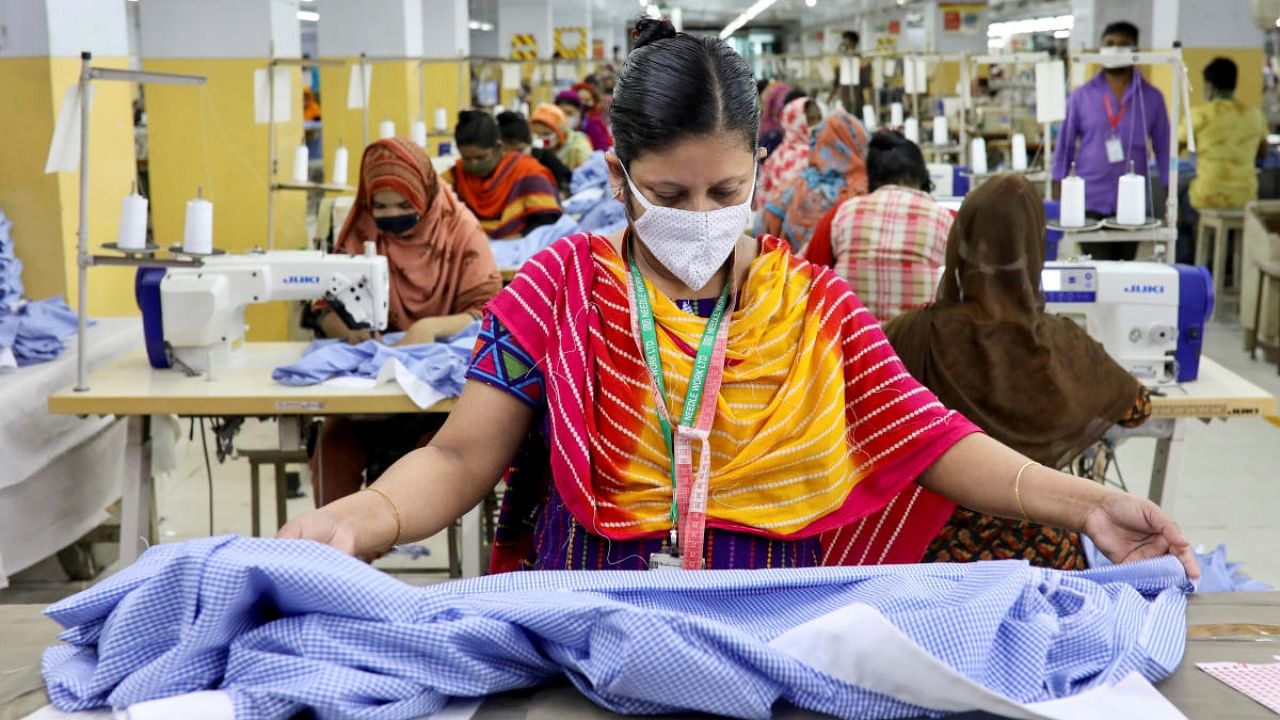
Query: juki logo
(301, 280)
(1144, 290)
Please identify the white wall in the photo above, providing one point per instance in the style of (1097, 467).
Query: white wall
(521, 17)
(378, 28)
(445, 29)
(223, 29)
(64, 28)
(24, 29)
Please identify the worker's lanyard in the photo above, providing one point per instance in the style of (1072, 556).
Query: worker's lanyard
(1113, 117)
(688, 492)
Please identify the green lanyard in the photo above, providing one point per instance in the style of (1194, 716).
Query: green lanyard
(701, 366)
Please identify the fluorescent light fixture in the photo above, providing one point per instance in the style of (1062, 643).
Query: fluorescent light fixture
(308, 16)
(747, 16)
(481, 26)
(1029, 26)
(653, 11)
(1062, 34)
(810, 3)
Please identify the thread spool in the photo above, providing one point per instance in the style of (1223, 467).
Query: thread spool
(940, 135)
(1071, 204)
(912, 130)
(301, 164)
(386, 129)
(197, 235)
(895, 115)
(1131, 198)
(442, 120)
(869, 118)
(978, 156)
(133, 222)
(418, 133)
(340, 160)
(1019, 151)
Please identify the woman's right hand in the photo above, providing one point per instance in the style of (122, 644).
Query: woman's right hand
(321, 526)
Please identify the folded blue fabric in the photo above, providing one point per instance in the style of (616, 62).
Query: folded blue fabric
(1216, 573)
(582, 202)
(37, 331)
(441, 365)
(606, 217)
(287, 625)
(514, 253)
(11, 289)
(592, 173)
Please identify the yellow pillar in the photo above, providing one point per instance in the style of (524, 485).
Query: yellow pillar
(38, 63)
(208, 138)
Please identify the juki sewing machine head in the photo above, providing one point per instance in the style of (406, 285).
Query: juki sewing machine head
(195, 316)
(1149, 317)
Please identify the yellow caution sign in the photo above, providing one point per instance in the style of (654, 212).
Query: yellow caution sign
(571, 42)
(524, 47)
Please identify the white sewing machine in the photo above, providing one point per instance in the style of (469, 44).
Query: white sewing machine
(202, 308)
(1149, 316)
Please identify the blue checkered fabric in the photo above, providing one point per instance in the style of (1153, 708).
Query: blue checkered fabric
(288, 625)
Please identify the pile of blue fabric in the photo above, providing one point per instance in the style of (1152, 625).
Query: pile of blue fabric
(514, 253)
(598, 211)
(30, 332)
(1217, 574)
(442, 365)
(281, 626)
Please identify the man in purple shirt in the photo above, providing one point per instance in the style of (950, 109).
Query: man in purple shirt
(1112, 118)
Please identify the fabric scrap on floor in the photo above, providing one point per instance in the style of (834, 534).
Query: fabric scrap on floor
(281, 626)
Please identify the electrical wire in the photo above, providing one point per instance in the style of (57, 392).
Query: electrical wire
(208, 470)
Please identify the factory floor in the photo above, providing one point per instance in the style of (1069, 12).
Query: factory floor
(1229, 492)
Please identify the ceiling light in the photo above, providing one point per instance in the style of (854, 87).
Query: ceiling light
(747, 16)
(653, 11)
(481, 26)
(308, 16)
(1062, 34)
(1277, 22)
(1032, 25)
(810, 3)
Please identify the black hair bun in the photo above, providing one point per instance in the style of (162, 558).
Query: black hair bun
(649, 30)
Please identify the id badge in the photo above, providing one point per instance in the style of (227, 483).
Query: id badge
(1115, 150)
(665, 561)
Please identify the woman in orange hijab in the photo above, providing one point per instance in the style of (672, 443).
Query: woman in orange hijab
(837, 171)
(442, 275)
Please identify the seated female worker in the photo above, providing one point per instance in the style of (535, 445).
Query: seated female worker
(623, 359)
(551, 125)
(889, 245)
(442, 274)
(1035, 382)
(515, 136)
(509, 192)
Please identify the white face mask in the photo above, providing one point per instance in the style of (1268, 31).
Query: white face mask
(692, 245)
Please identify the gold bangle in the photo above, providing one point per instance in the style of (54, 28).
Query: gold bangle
(1017, 488)
(394, 511)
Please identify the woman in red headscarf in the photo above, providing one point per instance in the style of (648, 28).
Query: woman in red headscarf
(593, 122)
(442, 275)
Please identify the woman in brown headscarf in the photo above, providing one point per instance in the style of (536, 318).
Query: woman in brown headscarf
(1035, 382)
(442, 275)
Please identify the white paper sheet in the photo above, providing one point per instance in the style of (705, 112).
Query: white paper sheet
(64, 149)
(1051, 92)
(859, 645)
(355, 99)
(283, 95)
(510, 76)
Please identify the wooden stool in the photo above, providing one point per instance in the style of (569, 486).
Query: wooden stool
(279, 459)
(1266, 269)
(1216, 226)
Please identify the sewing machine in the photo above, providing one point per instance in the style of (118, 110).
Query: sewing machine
(1150, 317)
(194, 316)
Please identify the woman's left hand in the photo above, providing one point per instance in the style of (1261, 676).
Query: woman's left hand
(1127, 527)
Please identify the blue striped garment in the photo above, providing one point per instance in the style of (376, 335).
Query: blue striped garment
(284, 625)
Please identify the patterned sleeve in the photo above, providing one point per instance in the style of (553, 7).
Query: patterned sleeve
(499, 361)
